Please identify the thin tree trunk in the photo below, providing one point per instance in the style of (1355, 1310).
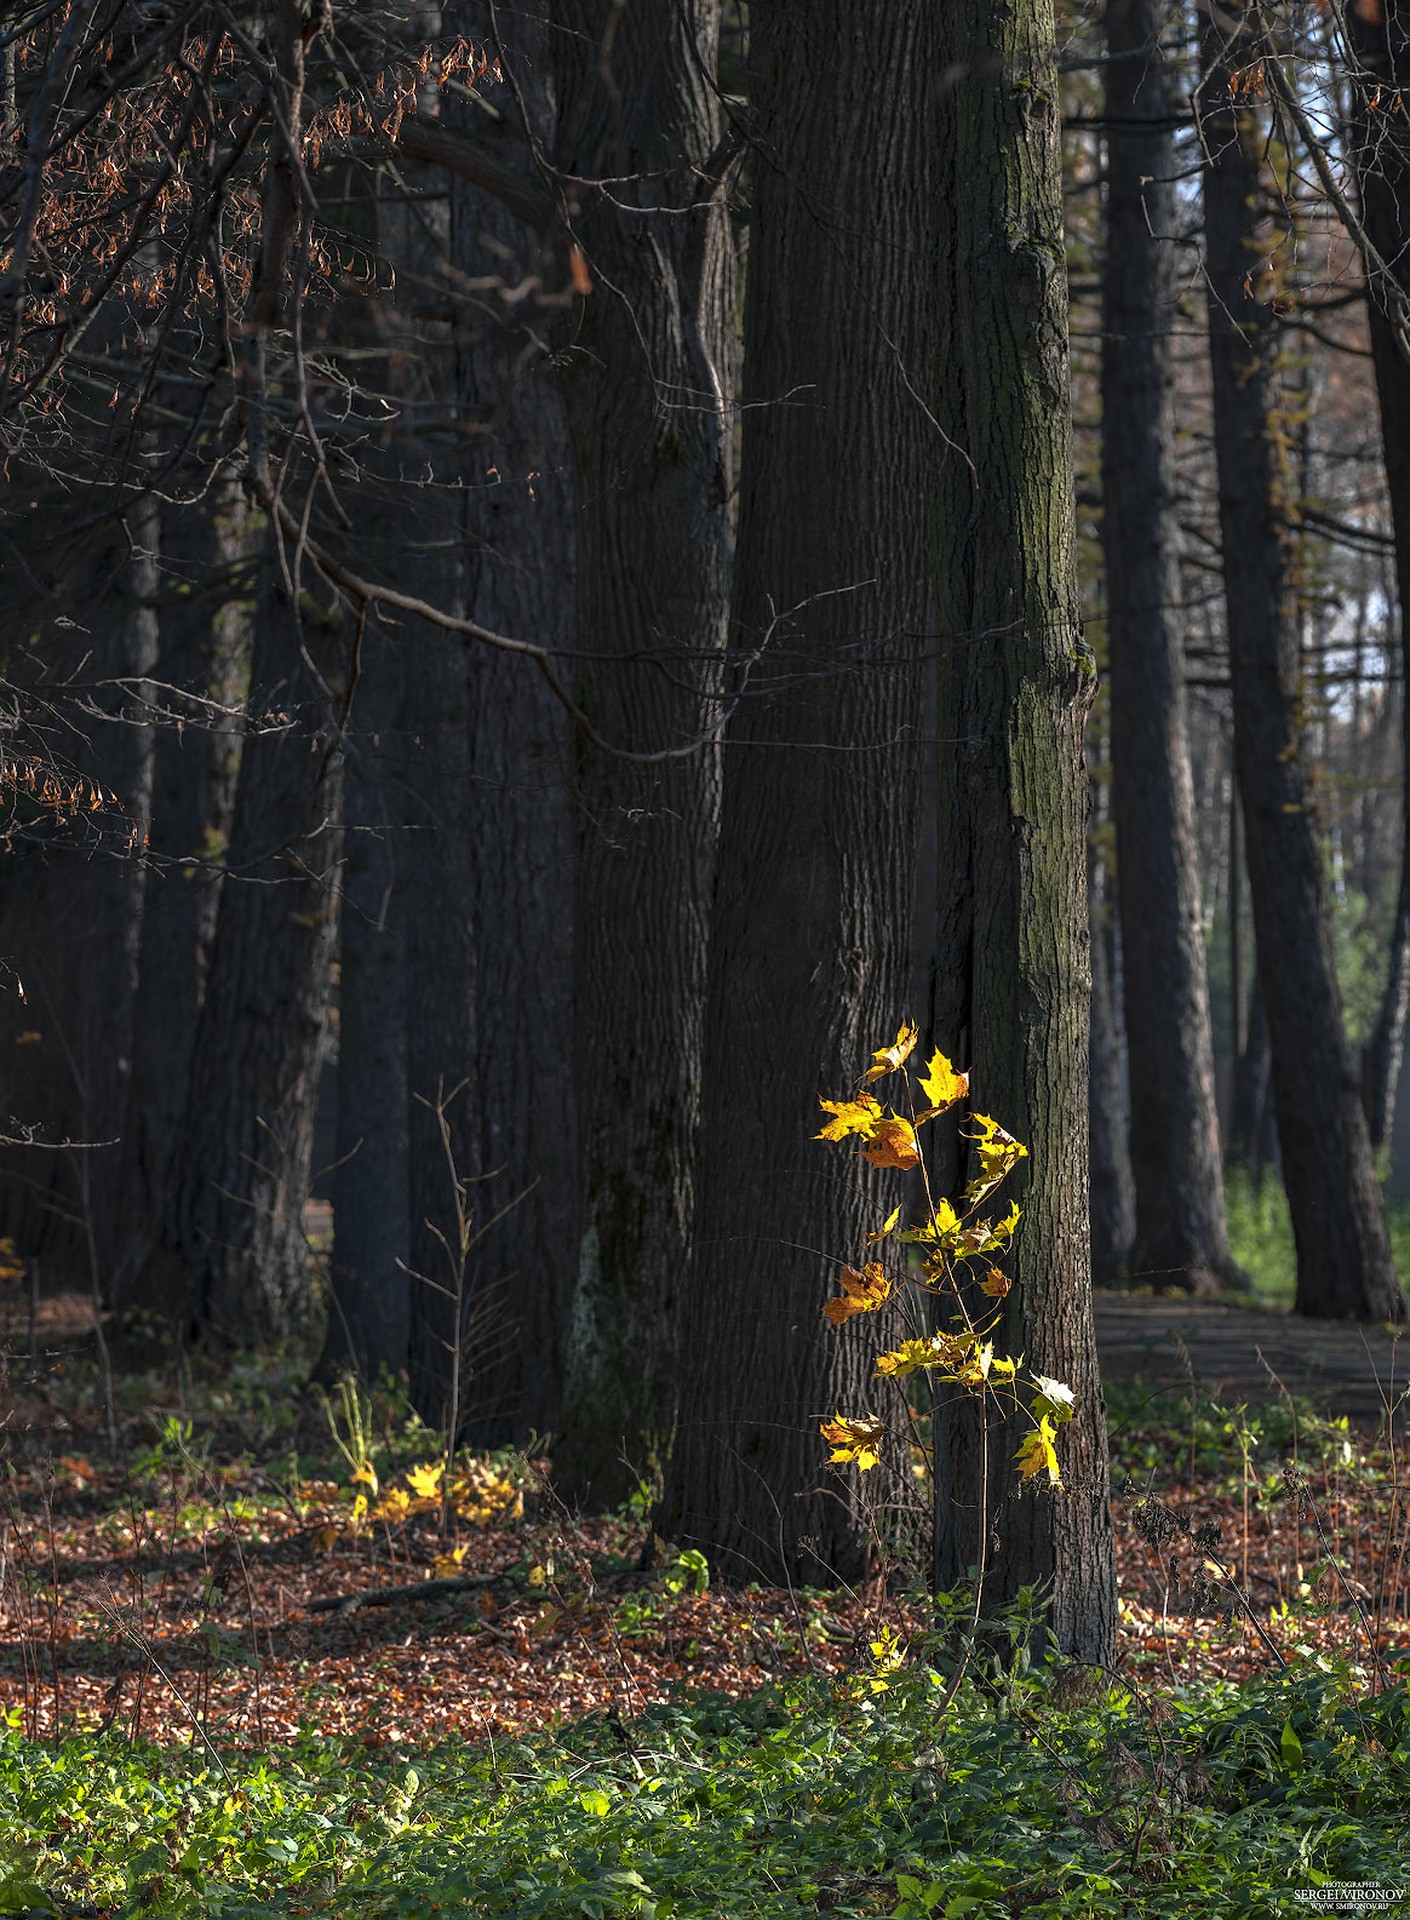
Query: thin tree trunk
(203, 641)
(1113, 1190)
(646, 385)
(1012, 962)
(812, 943)
(1181, 1239)
(1380, 38)
(232, 1260)
(1344, 1266)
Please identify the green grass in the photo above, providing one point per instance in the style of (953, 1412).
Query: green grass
(1217, 1801)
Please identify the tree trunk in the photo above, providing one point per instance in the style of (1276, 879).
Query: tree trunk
(1181, 1239)
(1016, 679)
(369, 1308)
(203, 648)
(1344, 1266)
(520, 570)
(1113, 1190)
(232, 1260)
(647, 390)
(812, 942)
(1380, 38)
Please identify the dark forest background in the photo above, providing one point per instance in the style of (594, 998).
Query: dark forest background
(568, 564)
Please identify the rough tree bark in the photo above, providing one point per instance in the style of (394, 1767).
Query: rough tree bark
(1181, 1239)
(648, 411)
(1344, 1265)
(1016, 678)
(812, 942)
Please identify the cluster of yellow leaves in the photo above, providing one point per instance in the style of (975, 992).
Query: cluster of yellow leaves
(965, 1357)
(950, 1239)
(480, 1494)
(852, 1439)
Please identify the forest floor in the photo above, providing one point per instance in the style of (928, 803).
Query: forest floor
(228, 1579)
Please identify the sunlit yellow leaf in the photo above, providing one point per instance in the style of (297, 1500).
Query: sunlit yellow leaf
(538, 1576)
(888, 1059)
(394, 1505)
(941, 1085)
(888, 1226)
(425, 1482)
(366, 1476)
(862, 1292)
(854, 1439)
(893, 1144)
(1038, 1454)
(995, 1283)
(849, 1116)
(445, 1566)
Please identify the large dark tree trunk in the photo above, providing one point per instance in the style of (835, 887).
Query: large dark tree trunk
(812, 941)
(647, 386)
(232, 1260)
(1344, 1266)
(520, 573)
(1181, 1240)
(1380, 38)
(1011, 972)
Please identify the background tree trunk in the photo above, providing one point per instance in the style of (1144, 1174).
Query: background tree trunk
(1181, 1239)
(204, 640)
(1113, 1190)
(1016, 679)
(1380, 130)
(232, 1259)
(369, 1309)
(647, 388)
(812, 943)
(1344, 1266)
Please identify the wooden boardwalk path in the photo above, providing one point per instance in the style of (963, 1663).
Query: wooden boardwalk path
(1241, 1354)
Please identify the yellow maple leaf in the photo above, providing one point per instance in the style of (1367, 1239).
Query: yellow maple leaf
(862, 1292)
(888, 1059)
(425, 1482)
(941, 1085)
(995, 1283)
(893, 1144)
(366, 1476)
(395, 1504)
(445, 1566)
(998, 1154)
(1038, 1453)
(849, 1116)
(888, 1225)
(940, 1227)
(854, 1439)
